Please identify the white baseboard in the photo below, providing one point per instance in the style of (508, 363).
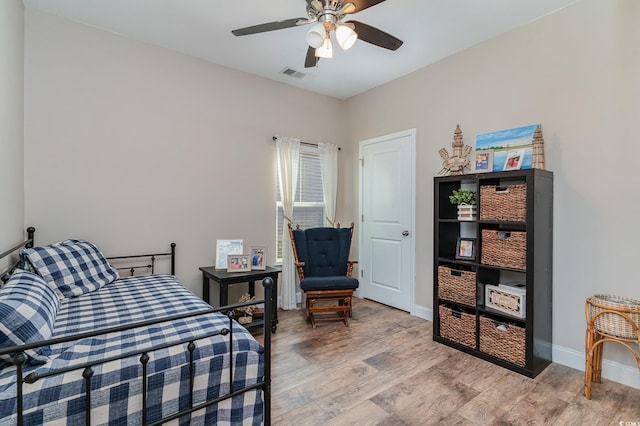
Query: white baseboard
(423, 312)
(611, 370)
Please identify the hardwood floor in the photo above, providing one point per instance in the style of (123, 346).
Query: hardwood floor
(385, 369)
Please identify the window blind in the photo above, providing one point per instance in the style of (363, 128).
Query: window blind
(308, 207)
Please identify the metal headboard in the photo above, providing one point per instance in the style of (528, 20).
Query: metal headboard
(28, 243)
(152, 261)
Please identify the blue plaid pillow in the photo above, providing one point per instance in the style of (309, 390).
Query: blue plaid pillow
(28, 308)
(71, 267)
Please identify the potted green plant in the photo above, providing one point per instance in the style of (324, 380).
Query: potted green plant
(466, 201)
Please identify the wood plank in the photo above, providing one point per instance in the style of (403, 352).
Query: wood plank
(385, 369)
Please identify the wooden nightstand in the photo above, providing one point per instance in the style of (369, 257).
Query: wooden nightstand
(224, 279)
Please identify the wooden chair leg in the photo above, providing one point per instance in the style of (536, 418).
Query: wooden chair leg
(347, 302)
(306, 303)
(310, 303)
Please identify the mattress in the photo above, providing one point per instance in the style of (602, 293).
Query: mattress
(116, 385)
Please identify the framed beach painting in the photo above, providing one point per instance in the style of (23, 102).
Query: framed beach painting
(503, 142)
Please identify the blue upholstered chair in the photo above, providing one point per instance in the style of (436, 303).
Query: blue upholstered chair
(322, 259)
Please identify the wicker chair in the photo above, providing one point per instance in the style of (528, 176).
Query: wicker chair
(609, 319)
(321, 258)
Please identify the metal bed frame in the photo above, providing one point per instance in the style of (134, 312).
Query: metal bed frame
(87, 373)
(152, 260)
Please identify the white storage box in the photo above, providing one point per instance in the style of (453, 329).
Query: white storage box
(506, 298)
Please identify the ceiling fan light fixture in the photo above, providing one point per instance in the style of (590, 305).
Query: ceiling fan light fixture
(346, 36)
(326, 50)
(316, 35)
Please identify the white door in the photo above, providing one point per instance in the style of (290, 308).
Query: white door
(387, 214)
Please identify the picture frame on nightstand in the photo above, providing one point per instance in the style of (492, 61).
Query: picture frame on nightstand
(238, 263)
(258, 258)
(224, 248)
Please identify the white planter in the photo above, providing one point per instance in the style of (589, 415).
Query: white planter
(467, 212)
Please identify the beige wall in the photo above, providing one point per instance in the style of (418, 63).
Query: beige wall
(11, 123)
(576, 72)
(133, 146)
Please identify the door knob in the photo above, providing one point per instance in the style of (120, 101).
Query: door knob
(405, 233)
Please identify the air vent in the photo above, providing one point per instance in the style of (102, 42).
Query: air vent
(292, 73)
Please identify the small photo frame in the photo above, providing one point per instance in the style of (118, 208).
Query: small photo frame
(223, 249)
(238, 263)
(483, 161)
(466, 249)
(258, 258)
(514, 159)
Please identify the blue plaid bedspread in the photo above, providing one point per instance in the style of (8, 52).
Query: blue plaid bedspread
(116, 387)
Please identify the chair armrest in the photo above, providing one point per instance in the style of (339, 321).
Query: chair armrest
(350, 264)
(300, 268)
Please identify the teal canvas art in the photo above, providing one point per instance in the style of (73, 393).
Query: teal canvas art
(503, 142)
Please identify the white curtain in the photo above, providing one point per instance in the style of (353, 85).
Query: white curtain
(329, 171)
(288, 153)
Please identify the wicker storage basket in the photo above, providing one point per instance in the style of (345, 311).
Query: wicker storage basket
(504, 249)
(458, 326)
(457, 286)
(506, 204)
(502, 340)
(612, 323)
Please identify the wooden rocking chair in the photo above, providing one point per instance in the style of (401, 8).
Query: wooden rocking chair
(321, 258)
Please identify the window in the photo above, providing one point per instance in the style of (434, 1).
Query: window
(308, 207)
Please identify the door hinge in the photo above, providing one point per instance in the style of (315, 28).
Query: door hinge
(362, 162)
(361, 273)
(362, 217)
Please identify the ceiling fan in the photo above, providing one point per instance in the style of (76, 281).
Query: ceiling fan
(329, 16)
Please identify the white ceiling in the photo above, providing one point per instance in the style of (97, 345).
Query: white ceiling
(430, 29)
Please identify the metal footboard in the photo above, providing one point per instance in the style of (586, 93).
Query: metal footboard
(87, 368)
(19, 358)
